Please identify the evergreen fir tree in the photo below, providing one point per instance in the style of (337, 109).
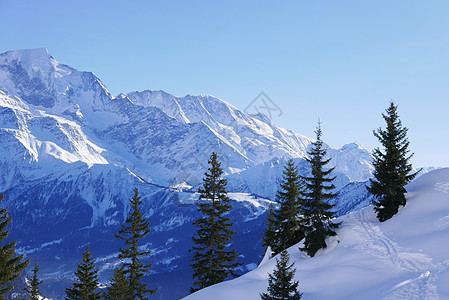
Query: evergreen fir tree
(212, 262)
(87, 280)
(33, 289)
(283, 225)
(118, 289)
(317, 211)
(269, 238)
(136, 227)
(392, 168)
(289, 198)
(280, 283)
(11, 265)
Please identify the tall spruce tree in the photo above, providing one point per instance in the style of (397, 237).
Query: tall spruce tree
(392, 170)
(283, 225)
(281, 285)
(269, 237)
(118, 288)
(11, 265)
(33, 290)
(212, 262)
(87, 280)
(317, 211)
(136, 228)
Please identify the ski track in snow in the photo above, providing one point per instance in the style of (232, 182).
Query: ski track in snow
(377, 244)
(442, 223)
(442, 187)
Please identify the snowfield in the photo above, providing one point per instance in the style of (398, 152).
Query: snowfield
(406, 257)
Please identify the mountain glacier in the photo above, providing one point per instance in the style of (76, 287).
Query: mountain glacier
(71, 154)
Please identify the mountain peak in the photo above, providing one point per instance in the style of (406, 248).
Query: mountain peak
(352, 146)
(31, 60)
(26, 55)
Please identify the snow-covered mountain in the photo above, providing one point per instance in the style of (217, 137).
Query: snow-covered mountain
(55, 111)
(71, 153)
(405, 257)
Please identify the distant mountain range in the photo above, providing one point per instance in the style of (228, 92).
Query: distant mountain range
(71, 154)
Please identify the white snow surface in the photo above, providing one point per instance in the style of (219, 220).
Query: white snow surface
(405, 257)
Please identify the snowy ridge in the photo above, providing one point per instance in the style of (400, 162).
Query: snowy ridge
(249, 136)
(402, 258)
(158, 136)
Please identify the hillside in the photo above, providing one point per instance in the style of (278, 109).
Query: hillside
(405, 257)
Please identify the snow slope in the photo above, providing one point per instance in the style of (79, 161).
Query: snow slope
(405, 257)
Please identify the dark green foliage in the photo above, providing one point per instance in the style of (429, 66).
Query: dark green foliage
(317, 211)
(10, 265)
(212, 262)
(33, 289)
(87, 280)
(280, 283)
(135, 229)
(269, 238)
(392, 168)
(283, 225)
(118, 288)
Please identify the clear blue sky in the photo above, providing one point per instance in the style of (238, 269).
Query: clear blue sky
(341, 61)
